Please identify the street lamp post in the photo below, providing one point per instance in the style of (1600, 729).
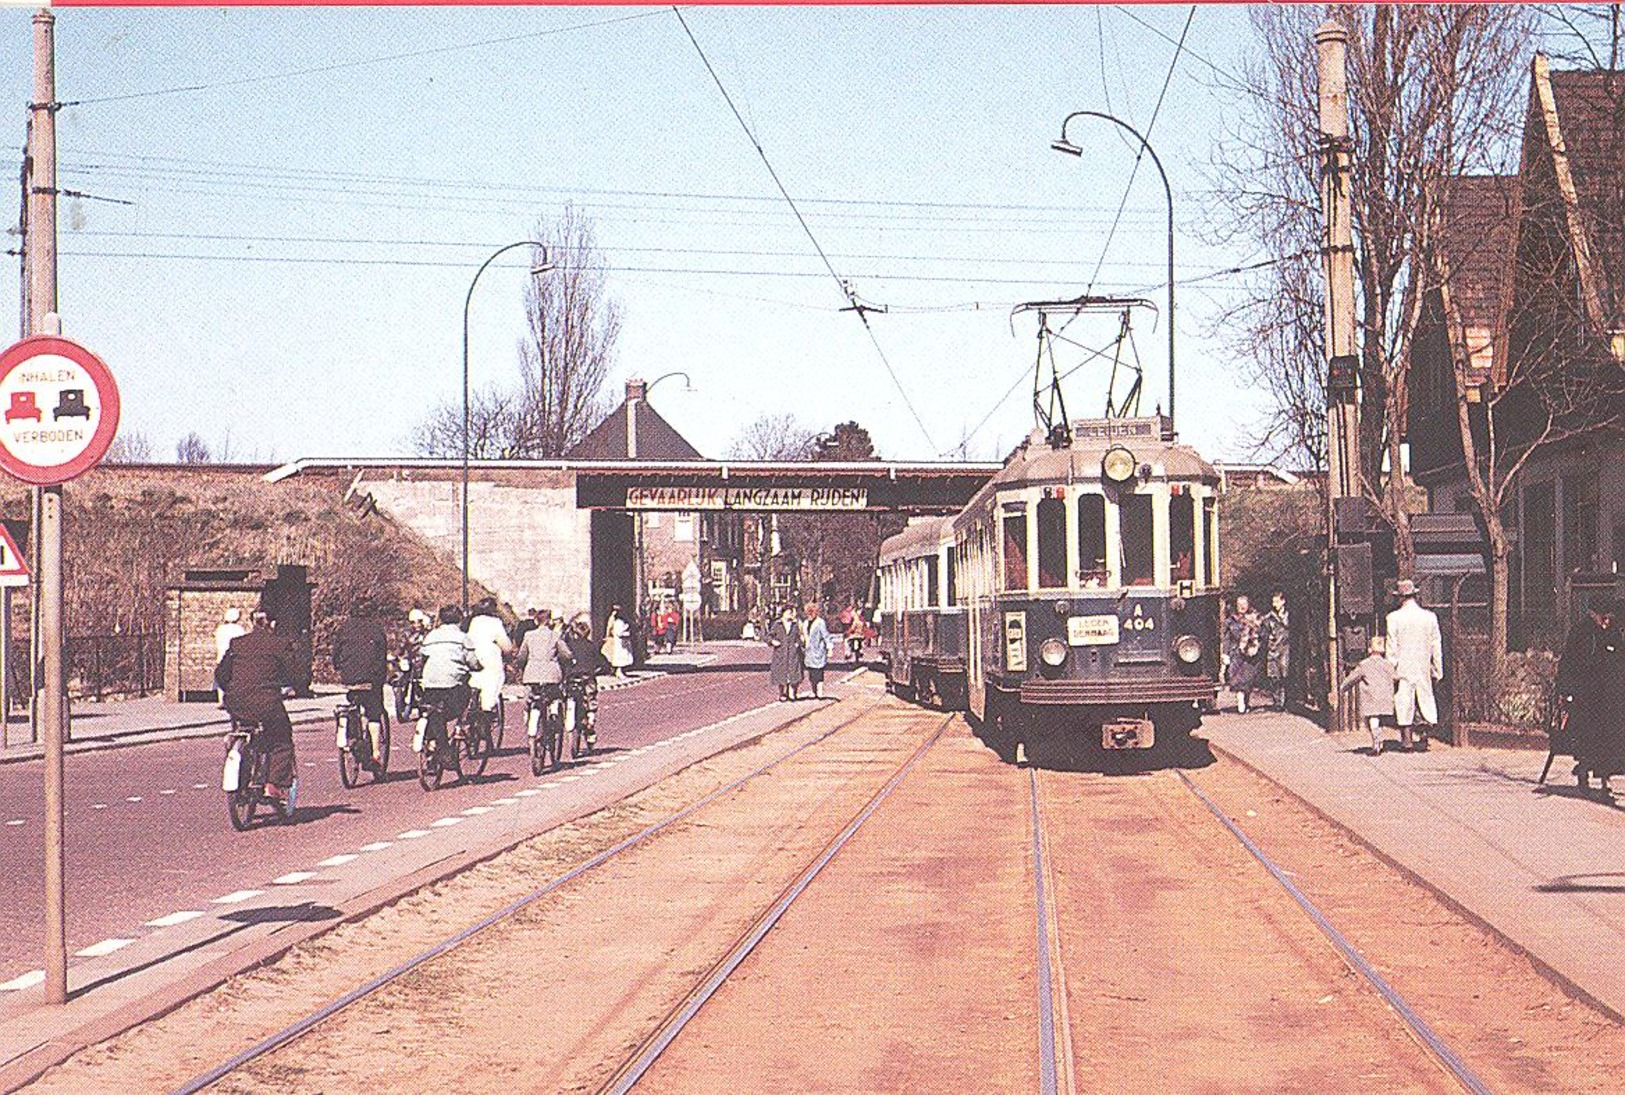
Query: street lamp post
(1064, 146)
(536, 269)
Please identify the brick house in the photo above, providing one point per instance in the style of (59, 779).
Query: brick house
(1533, 301)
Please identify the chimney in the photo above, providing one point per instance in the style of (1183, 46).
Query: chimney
(635, 389)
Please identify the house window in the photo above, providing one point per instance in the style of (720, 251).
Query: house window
(1580, 548)
(682, 527)
(1092, 540)
(1052, 543)
(1015, 551)
(1139, 553)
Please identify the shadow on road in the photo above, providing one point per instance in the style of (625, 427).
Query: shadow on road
(1584, 883)
(308, 912)
(308, 813)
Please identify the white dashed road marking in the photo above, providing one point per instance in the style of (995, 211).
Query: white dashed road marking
(200, 785)
(27, 980)
(414, 834)
(14, 823)
(99, 805)
(476, 810)
(133, 797)
(338, 860)
(166, 791)
(525, 793)
(571, 778)
(506, 801)
(173, 918)
(239, 897)
(548, 785)
(378, 846)
(103, 948)
(445, 822)
(294, 878)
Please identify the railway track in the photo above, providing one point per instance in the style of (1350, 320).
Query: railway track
(633, 1068)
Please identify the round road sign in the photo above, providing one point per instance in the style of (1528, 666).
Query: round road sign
(58, 410)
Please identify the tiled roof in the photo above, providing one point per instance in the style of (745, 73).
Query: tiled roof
(657, 440)
(1591, 117)
(1479, 232)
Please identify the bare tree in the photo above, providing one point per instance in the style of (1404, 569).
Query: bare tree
(193, 451)
(129, 448)
(774, 438)
(565, 356)
(1434, 93)
(1585, 34)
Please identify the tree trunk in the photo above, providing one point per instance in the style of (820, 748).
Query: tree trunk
(1500, 590)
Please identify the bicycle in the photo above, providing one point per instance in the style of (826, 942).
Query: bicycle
(544, 718)
(475, 740)
(407, 689)
(248, 762)
(354, 743)
(581, 715)
(441, 748)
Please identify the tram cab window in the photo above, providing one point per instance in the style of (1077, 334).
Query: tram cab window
(930, 581)
(950, 595)
(1210, 525)
(1182, 537)
(1052, 543)
(1092, 540)
(1015, 551)
(1139, 553)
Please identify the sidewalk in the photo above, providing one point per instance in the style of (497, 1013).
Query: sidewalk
(1544, 867)
(98, 725)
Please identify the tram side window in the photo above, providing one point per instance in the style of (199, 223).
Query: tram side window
(1092, 540)
(1052, 543)
(1015, 551)
(1182, 537)
(1139, 553)
(950, 581)
(1210, 524)
(931, 579)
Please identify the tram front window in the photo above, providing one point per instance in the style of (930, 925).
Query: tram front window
(1052, 543)
(1139, 554)
(1182, 537)
(1015, 551)
(1210, 560)
(1092, 540)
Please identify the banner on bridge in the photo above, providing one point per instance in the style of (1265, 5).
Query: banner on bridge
(776, 498)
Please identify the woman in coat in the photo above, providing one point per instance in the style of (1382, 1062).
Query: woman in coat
(1243, 650)
(784, 639)
(1589, 678)
(817, 640)
(617, 648)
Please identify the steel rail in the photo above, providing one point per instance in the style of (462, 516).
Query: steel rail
(1447, 1057)
(633, 1068)
(1046, 987)
(308, 1022)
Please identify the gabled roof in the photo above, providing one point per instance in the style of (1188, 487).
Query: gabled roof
(657, 439)
(1478, 237)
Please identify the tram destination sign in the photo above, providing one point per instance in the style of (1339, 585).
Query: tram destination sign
(769, 498)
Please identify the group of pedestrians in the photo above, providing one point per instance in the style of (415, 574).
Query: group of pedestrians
(800, 650)
(1257, 652)
(1394, 683)
(1590, 689)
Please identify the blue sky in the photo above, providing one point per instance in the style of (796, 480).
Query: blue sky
(291, 272)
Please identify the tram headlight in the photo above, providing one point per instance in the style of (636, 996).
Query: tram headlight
(1053, 652)
(1117, 464)
(1188, 649)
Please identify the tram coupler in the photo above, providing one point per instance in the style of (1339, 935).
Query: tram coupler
(1130, 733)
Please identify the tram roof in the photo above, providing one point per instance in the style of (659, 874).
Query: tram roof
(921, 537)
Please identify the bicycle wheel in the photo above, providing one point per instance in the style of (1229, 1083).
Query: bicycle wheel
(383, 749)
(405, 698)
(350, 755)
(241, 802)
(429, 765)
(538, 753)
(500, 718)
(476, 744)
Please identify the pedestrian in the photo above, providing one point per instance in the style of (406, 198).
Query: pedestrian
(668, 626)
(489, 639)
(784, 670)
(815, 641)
(1375, 676)
(1583, 683)
(616, 648)
(1278, 648)
(1243, 650)
(229, 630)
(1417, 650)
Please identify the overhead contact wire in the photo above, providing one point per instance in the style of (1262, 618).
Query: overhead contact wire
(846, 289)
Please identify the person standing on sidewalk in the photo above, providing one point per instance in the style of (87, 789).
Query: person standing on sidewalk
(1278, 648)
(616, 648)
(1378, 684)
(815, 641)
(1582, 682)
(1243, 650)
(1417, 650)
(361, 661)
(785, 670)
(229, 630)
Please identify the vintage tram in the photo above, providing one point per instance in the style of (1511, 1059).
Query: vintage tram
(1088, 572)
(920, 621)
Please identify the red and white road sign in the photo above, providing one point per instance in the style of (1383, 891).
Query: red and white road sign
(58, 410)
(13, 565)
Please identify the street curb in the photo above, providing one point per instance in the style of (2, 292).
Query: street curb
(1545, 969)
(27, 1067)
(138, 737)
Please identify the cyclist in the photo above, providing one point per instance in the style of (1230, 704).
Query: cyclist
(361, 659)
(490, 642)
(448, 662)
(256, 669)
(540, 665)
(581, 662)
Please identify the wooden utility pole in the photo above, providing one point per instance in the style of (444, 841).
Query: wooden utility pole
(42, 319)
(1342, 377)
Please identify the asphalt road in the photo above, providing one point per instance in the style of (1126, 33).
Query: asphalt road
(148, 837)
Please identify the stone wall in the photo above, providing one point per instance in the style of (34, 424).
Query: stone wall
(189, 652)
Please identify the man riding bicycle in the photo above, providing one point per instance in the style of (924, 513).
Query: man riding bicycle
(253, 673)
(580, 661)
(361, 659)
(448, 662)
(541, 670)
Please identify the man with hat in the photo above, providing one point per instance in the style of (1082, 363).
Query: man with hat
(1416, 649)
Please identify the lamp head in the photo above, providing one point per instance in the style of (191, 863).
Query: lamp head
(543, 268)
(1062, 145)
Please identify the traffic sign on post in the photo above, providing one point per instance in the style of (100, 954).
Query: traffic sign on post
(13, 566)
(59, 409)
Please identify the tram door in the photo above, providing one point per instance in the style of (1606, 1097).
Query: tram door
(972, 577)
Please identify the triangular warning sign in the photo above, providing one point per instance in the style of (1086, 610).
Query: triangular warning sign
(13, 566)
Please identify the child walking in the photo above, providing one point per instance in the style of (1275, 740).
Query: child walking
(1377, 679)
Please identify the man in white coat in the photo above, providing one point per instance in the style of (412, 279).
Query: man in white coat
(1417, 651)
